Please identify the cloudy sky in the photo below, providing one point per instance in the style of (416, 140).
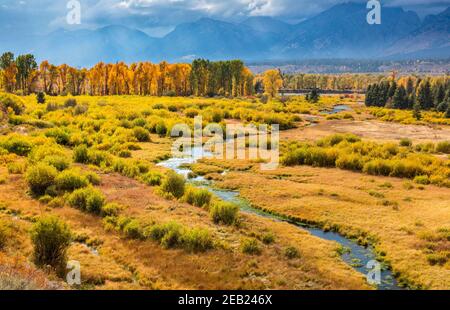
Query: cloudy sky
(158, 17)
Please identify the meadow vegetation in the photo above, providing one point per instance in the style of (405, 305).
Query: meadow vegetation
(348, 152)
(85, 172)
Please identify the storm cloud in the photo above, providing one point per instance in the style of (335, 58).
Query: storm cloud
(158, 17)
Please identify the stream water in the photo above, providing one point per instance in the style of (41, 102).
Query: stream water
(338, 109)
(358, 257)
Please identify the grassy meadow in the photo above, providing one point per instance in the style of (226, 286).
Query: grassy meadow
(85, 170)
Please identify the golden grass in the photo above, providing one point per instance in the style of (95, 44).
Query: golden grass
(395, 218)
(120, 261)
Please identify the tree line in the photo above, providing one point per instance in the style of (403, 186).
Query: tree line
(410, 93)
(22, 75)
(341, 82)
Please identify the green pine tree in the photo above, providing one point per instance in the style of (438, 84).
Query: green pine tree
(400, 99)
(424, 96)
(417, 111)
(438, 94)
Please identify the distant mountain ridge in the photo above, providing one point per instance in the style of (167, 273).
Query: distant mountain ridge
(431, 39)
(343, 32)
(339, 32)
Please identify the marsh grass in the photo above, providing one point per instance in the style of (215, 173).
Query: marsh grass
(51, 238)
(197, 197)
(348, 152)
(224, 213)
(174, 184)
(251, 247)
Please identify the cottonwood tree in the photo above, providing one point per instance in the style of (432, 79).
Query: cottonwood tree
(8, 71)
(272, 82)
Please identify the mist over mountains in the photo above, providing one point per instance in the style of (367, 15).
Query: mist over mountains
(339, 32)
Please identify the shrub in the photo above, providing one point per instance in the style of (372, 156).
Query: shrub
(172, 237)
(197, 240)
(264, 99)
(111, 209)
(152, 178)
(443, 147)
(268, 238)
(98, 158)
(191, 113)
(56, 203)
(80, 109)
(80, 154)
(51, 106)
(406, 169)
(87, 199)
(198, 197)
(422, 179)
(224, 212)
(141, 134)
(40, 98)
(18, 145)
(251, 247)
(12, 102)
(51, 238)
(425, 147)
(95, 202)
(78, 199)
(406, 142)
(378, 167)
(439, 259)
(70, 180)
(295, 157)
(52, 191)
(376, 194)
(128, 169)
(40, 177)
(140, 122)
(352, 162)
(158, 106)
(70, 103)
(216, 116)
(59, 162)
(133, 230)
(161, 129)
(121, 222)
(337, 139)
(174, 184)
(172, 107)
(319, 157)
(41, 152)
(93, 178)
(61, 136)
(16, 168)
(124, 154)
(291, 253)
(157, 232)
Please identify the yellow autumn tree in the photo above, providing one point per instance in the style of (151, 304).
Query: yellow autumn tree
(272, 82)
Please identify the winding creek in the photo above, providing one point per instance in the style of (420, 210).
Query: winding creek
(353, 254)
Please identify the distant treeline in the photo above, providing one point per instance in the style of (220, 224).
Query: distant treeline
(411, 93)
(345, 66)
(338, 82)
(22, 75)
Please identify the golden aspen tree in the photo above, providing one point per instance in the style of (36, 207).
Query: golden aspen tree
(272, 82)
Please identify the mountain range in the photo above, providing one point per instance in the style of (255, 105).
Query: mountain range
(339, 32)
